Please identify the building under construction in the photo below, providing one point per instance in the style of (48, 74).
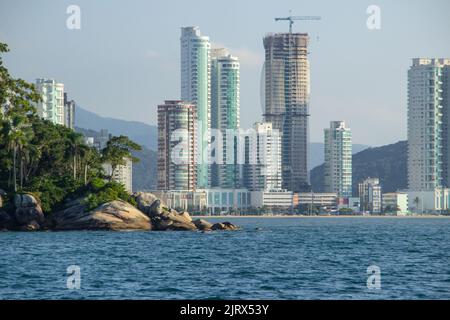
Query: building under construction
(287, 89)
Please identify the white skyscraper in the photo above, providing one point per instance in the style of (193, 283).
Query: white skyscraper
(52, 105)
(262, 170)
(196, 88)
(428, 124)
(338, 159)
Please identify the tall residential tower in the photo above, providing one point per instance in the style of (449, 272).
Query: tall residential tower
(287, 90)
(338, 159)
(196, 89)
(225, 108)
(176, 146)
(429, 124)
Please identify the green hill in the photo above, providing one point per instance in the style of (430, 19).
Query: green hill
(387, 163)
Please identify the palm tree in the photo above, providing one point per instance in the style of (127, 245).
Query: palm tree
(76, 144)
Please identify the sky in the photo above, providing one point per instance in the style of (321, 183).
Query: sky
(124, 60)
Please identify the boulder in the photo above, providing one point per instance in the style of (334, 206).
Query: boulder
(170, 219)
(2, 194)
(31, 226)
(149, 204)
(202, 225)
(115, 215)
(224, 226)
(28, 211)
(6, 221)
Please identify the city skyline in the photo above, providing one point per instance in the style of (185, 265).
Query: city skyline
(380, 87)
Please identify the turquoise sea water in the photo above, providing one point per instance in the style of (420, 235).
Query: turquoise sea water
(294, 258)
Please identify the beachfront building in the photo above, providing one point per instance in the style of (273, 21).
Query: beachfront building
(224, 201)
(272, 199)
(370, 195)
(429, 202)
(225, 109)
(321, 200)
(338, 159)
(429, 124)
(262, 169)
(51, 106)
(176, 146)
(395, 203)
(196, 89)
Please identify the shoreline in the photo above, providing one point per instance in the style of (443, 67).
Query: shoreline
(301, 217)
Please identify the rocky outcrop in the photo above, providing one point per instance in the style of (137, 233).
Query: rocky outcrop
(202, 225)
(151, 214)
(224, 226)
(115, 215)
(164, 219)
(2, 194)
(28, 214)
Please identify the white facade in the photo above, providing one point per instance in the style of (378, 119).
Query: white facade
(224, 200)
(430, 201)
(263, 153)
(428, 124)
(52, 105)
(370, 195)
(395, 203)
(272, 198)
(123, 174)
(338, 159)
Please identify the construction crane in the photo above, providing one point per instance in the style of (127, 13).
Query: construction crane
(291, 19)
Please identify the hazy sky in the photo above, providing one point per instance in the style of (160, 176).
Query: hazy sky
(125, 58)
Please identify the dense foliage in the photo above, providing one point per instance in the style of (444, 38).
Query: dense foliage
(51, 161)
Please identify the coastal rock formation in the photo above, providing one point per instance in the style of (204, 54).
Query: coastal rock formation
(2, 194)
(164, 219)
(203, 225)
(6, 222)
(114, 215)
(151, 214)
(224, 226)
(28, 214)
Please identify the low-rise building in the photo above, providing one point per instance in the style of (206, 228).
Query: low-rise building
(395, 203)
(272, 199)
(429, 201)
(225, 200)
(318, 199)
(370, 195)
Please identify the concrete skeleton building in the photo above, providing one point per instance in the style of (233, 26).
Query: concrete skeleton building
(196, 89)
(286, 102)
(176, 146)
(338, 159)
(225, 110)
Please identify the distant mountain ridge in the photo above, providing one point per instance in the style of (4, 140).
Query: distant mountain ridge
(139, 132)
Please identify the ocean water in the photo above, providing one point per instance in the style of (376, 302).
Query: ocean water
(287, 258)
